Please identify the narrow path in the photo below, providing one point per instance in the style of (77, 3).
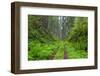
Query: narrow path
(65, 54)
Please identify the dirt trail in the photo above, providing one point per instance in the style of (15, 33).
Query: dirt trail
(65, 54)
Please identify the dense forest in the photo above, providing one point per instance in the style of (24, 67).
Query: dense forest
(57, 37)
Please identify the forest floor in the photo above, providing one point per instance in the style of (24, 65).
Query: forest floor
(59, 54)
(57, 50)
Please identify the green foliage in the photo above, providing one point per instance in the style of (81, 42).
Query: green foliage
(39, 50)
(43, 51)
(59, 54)
(74, 53)
(79, 34)
(36, 31)
(42, 42)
